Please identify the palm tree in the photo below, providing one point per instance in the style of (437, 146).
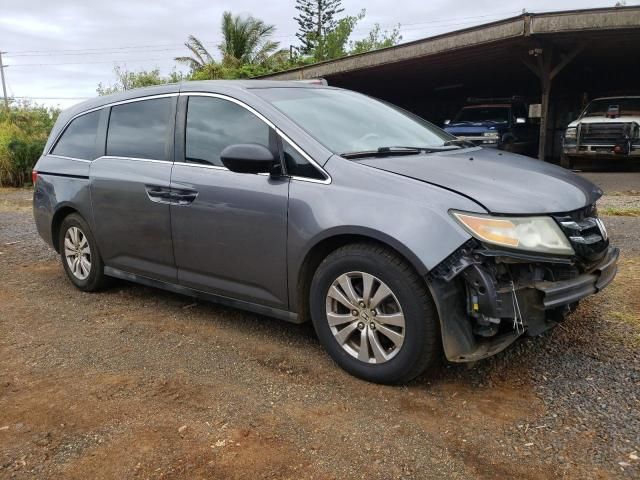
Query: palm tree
(246, 40)
(200, 58)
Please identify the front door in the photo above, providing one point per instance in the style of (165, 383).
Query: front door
(230, 234)
(130, 189)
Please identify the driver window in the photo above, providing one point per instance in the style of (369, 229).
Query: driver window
(214, 123)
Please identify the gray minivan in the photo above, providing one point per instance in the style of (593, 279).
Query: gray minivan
(397, 240)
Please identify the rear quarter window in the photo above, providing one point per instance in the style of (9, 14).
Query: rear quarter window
(79, 138)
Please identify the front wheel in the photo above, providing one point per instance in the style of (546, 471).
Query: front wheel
(566, 161)
(374, 315)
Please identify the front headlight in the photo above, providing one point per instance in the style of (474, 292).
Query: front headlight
(535, 234)
(571, 134)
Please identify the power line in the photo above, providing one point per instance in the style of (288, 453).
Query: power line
(150, 49)
(173, 46)
(91, 62)
(145, 59)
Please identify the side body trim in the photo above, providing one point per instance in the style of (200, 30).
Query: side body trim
(210, 297)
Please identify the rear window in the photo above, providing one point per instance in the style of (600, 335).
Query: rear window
(484, 114)
(79, 138)
(140, 129)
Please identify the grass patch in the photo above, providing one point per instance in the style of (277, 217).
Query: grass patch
(626, 317)
(15, 199)
(620, 211)
(628, 193)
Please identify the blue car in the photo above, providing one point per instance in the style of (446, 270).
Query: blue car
(497, 123)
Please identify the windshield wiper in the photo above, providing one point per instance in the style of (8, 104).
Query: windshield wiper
(458, 142)
(399, 150)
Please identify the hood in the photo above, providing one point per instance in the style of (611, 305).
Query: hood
(620, 119)
(501, 182)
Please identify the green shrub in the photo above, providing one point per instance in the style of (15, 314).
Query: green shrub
(24, 129)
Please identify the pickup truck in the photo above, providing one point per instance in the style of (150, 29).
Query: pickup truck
(496, 123)
(609, 128)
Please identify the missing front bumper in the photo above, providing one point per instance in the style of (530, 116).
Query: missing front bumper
(557, 294)
(487, 299)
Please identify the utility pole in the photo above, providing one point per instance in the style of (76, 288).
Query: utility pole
(4, 86)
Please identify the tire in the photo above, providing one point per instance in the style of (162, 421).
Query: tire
(387, 363)
(566, 161)
(75, 235)
(508, 146)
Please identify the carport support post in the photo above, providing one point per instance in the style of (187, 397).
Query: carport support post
(544, 66)
(546, 74)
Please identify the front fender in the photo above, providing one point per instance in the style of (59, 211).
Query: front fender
(409, 215)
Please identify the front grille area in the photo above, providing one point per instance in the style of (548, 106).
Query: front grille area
(606, 133)
(586, 233)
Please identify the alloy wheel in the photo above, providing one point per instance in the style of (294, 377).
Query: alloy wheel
(365, 317)
(77, 253)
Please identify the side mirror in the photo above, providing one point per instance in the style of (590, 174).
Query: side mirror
(247, 158)
(447, 121)
(521, 120)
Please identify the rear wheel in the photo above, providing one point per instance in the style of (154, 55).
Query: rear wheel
(374, 315)
(80, 256)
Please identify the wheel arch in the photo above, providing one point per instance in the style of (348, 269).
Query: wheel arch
(58, 217)
(331, 241)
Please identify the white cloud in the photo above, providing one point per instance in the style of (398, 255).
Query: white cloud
(163, 26)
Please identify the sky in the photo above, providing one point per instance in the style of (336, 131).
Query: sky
(58, 51)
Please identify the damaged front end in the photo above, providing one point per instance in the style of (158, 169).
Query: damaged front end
(488, 297)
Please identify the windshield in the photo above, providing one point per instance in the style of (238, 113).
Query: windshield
(613, 107)
(345, 121)
(483, 114)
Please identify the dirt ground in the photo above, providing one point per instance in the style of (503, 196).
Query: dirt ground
(139, 383)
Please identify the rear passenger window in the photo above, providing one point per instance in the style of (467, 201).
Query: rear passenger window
(297, 165)
(140, 129)
(213, 124)
(79, 138)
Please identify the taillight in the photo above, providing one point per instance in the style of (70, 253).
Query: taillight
(34, 177)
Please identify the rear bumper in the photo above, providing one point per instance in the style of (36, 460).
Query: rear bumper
(566, 292)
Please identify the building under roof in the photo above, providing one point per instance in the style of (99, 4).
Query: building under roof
(563, 58)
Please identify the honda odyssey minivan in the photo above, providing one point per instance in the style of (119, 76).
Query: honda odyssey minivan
(304, 202)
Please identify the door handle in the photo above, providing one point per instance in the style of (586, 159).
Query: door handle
(158, 194)
(183, 197)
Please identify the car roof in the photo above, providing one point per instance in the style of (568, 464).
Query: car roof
(203, 85)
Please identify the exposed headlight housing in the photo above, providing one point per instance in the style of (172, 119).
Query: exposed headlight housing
(534, 234)
(571, 134)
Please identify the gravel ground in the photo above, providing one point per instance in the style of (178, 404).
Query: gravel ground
(622, 191)
(138, 383)
(615, 183)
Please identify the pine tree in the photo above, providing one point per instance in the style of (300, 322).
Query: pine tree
(316, 18)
